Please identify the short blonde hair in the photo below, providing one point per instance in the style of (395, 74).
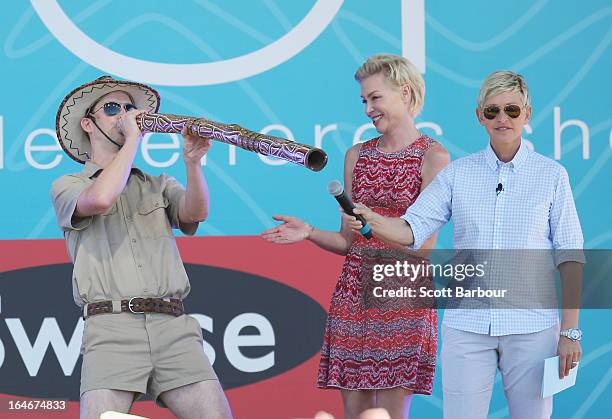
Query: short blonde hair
(504, 81)
(400, 72)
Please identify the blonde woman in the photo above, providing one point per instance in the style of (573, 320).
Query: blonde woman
(377, 357)
(503, 197)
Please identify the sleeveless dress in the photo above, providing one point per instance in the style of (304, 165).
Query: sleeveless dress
(367, 348)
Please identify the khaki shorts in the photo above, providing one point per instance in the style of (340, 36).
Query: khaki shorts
(142, 353)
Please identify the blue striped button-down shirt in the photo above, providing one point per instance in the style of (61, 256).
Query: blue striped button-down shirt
(535, 210)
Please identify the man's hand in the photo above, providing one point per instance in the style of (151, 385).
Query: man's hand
(126, 124)
(195, 147)
(569, 352)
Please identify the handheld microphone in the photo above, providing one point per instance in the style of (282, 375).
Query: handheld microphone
(499, 188)
(337, 190)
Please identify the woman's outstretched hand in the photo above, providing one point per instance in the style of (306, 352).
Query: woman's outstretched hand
(292, 230)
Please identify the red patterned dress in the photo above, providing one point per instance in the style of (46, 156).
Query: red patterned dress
(371, 348)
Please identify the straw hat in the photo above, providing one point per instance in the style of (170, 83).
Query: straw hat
(70, 135)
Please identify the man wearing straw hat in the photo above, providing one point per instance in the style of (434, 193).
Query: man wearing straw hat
(128, 275)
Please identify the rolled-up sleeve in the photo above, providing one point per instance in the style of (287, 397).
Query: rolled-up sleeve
(566, 234)
(65, 193)
(174, 193)
(432, 208)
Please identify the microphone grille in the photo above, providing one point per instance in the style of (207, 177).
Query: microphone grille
(335, 188)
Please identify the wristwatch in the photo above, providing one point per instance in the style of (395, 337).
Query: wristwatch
(572, 334)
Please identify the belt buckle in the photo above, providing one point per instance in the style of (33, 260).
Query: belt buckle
(130, 305)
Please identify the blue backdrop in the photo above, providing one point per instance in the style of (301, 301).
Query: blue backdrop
(287, 68)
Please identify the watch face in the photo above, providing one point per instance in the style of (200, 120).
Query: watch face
(574, 334)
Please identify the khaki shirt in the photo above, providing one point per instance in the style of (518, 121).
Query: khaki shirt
(130, 251)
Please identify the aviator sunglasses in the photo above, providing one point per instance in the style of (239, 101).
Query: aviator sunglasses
(490, 112)
(114, 108)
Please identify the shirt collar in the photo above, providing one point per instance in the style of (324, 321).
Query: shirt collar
(92, 170)
(519, 158)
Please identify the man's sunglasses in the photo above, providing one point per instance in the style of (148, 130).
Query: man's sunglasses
(114, 108)
(513, 111)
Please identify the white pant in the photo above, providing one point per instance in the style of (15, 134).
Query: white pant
(470, 361)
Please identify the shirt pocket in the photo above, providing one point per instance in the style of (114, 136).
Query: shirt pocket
(538, 214)
(152, 214)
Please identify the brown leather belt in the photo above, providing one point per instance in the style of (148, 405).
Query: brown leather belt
(137, 305)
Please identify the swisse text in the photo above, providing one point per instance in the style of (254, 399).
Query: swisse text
(33, 346)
